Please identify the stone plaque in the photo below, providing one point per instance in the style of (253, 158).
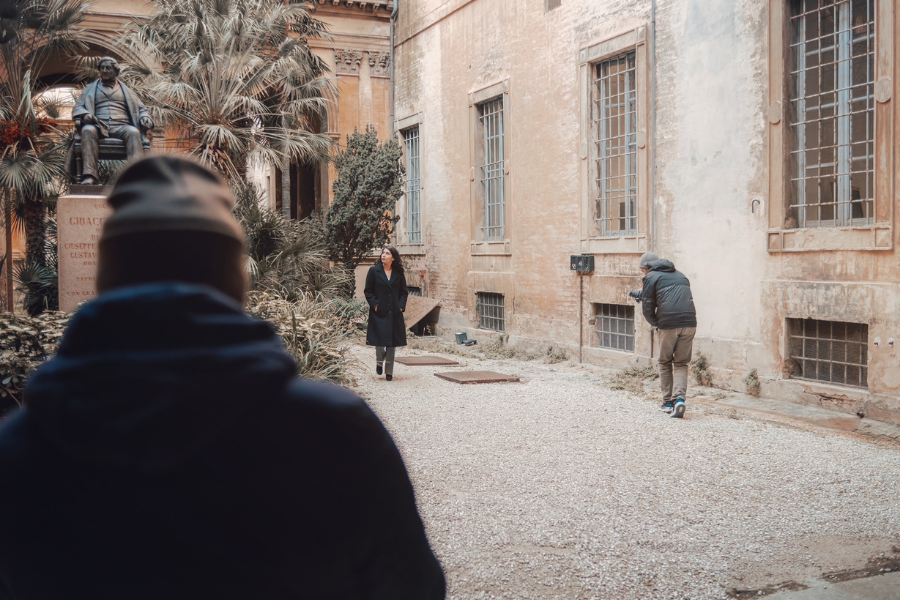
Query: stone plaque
(79, 221)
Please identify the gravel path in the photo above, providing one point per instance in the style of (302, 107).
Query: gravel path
(559, 487)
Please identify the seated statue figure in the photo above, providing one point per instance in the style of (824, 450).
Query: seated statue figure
(108, 109)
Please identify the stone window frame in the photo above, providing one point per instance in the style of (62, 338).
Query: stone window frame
(479, 245)
(782, 236)
(592, 240)
(402, 242)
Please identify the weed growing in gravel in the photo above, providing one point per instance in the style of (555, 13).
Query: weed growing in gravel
(632, 379)
(555, 354)
(497, 348)
(752, 381)
(700, 370)
(436, 344)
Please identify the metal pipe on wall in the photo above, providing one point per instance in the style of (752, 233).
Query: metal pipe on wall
(393, 25)
(654, 246)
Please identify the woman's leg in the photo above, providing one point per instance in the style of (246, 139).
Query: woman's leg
(389, 361)
(379, 358)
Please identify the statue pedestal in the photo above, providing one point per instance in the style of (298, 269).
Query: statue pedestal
(79, 217)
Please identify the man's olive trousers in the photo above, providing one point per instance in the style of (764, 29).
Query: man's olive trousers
(675, 347)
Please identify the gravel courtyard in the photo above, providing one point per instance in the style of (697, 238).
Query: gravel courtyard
(560, 487)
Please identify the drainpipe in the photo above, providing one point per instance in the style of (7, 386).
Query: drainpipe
(393, 24)
(580, 317)
(654, 246)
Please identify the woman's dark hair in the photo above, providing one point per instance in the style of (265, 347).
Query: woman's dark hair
(398, 263)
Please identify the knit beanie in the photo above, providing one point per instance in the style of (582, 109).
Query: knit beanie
(171, 221)
(647, 259)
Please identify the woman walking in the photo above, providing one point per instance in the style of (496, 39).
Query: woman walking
(386, 293)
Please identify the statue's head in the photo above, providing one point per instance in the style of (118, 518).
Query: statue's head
(109, 68)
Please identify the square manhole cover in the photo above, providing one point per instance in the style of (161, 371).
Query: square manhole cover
(424, 361)
(476, 377)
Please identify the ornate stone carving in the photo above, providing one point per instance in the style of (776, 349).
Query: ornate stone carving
(347, 61)
(380, 62)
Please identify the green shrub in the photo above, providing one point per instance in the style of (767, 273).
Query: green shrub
(366, 191)
(314, 331)
(25, 344)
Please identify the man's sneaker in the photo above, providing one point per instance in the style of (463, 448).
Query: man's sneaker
(678, 411)
(667, 407)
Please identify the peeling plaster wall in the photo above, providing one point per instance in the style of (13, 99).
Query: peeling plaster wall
(480, 43)
(710, 213)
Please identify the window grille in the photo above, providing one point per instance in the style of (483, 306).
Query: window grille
(490, 309)
(615, 139)
(615, 326)
(492, 177)
(829, 351)
(414, 291)
(413, 187)
(832, 113)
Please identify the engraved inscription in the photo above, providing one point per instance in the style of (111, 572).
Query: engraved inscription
(81, 222)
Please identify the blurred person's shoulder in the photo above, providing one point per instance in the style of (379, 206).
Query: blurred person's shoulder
(330, 408)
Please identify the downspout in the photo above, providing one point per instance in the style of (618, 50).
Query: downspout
(393, 24)
(654, 246)
(580, 317)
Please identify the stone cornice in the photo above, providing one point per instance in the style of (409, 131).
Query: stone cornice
(378, 8)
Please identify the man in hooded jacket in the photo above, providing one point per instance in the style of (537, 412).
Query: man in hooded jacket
(169, 451)
(668, 305)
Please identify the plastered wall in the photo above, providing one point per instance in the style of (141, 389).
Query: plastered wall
(708, 198)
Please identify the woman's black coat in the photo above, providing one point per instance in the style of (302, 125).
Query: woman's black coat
(386, 325)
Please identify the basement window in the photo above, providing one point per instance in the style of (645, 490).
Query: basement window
(490, 310)
(414, 291)
(615, 326)
(829, 351)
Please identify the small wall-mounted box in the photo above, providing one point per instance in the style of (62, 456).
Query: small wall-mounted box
(582, 262)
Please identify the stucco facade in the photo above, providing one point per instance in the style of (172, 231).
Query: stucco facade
(712, 182)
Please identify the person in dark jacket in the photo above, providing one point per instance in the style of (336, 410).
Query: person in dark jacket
(169, 450)
(386, 293)
(669, 306)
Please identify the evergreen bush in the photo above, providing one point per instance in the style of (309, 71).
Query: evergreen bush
(366, 191)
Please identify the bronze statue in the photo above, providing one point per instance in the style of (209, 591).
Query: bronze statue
(108, 109)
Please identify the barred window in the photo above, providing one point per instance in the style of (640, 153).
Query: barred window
(492, 176)
(414, 291)
(829, 351)
(615, 326)
(614, 96)
(413, 186)
(490, 310)
(831, 113)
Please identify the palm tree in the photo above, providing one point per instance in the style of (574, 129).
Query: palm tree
(235, 78)
(31, 145)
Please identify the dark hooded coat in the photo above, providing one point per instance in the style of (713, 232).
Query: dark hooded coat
(386, 325)
(168, 451)
(666, 298)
